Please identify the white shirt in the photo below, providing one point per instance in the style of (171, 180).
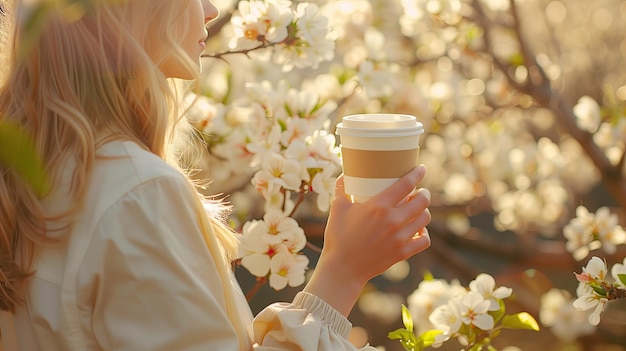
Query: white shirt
(135, 273)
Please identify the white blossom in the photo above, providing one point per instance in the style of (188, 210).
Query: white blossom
(474, 311)
(297, 129)
(279, 200)
(255, 252)
(447, 317)
(277, 172)
(276, 235)
(299, 151)
(485, 285)
(314, 43)
(277, 227)
(279, 17)
(287, 269)
(312, 25)
(265, 145)
(587, 112)
(616, 270)
(322, 147)
(589, 300)
(323, 185)
(248, 25)
(609, 232)
(429, 295)
(578, 240)
(589, 231)
(595, 270)
(566, 322)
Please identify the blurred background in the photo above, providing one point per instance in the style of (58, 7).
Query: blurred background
(511, 148)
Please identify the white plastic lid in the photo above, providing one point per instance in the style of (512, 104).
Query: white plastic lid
(379, 125)
(378, 121)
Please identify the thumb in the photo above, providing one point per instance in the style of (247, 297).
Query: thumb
(340, 193)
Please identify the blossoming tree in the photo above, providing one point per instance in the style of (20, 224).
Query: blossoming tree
(523, 105)
(513, 134)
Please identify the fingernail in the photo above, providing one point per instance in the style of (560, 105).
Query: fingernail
(427, 194)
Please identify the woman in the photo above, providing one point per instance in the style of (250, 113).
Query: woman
(120, 254)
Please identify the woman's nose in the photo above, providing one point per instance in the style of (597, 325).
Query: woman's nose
(210, 11)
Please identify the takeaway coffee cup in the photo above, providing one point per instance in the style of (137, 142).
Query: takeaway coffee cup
(377, 149)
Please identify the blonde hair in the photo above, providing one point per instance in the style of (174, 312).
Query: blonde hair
(84, 82)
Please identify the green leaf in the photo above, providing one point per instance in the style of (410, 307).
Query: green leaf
(598, 290)
(622, 278)
(407, 320)
(399, 334)
(428, 337)
(419, 345)
(17, 152)
(521, 320)
(407, 339)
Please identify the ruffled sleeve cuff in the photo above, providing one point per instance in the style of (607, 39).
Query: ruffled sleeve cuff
(308, 323)
(320, 309)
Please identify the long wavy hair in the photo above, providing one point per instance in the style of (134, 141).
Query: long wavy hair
(86, 80)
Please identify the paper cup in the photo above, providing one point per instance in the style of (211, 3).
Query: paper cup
(377, 150)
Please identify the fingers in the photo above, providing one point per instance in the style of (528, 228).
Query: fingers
(398, 191)
(415, 203)
(340, 194)
(418, 216)
(422, 195)
(412, 213)
(406, 207)
(399, 212)
(339, 186)
(418, 243)
(408, 222)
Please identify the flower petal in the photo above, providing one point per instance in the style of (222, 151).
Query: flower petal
(594, 318)
(585, 302)
(278, 282)
(483, 321)
(257, 264)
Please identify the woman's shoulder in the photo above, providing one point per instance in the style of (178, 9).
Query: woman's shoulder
(120, 167)
(123, 166)
(129, 163)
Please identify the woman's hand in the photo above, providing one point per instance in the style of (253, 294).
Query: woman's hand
(363, 240)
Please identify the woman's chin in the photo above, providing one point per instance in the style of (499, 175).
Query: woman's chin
(183, 73)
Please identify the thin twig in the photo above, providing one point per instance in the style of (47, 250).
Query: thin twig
(300, 200)
(242, 51)
(260, 281)
(313, 247)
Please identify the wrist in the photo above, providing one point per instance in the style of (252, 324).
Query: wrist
(336, 285)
